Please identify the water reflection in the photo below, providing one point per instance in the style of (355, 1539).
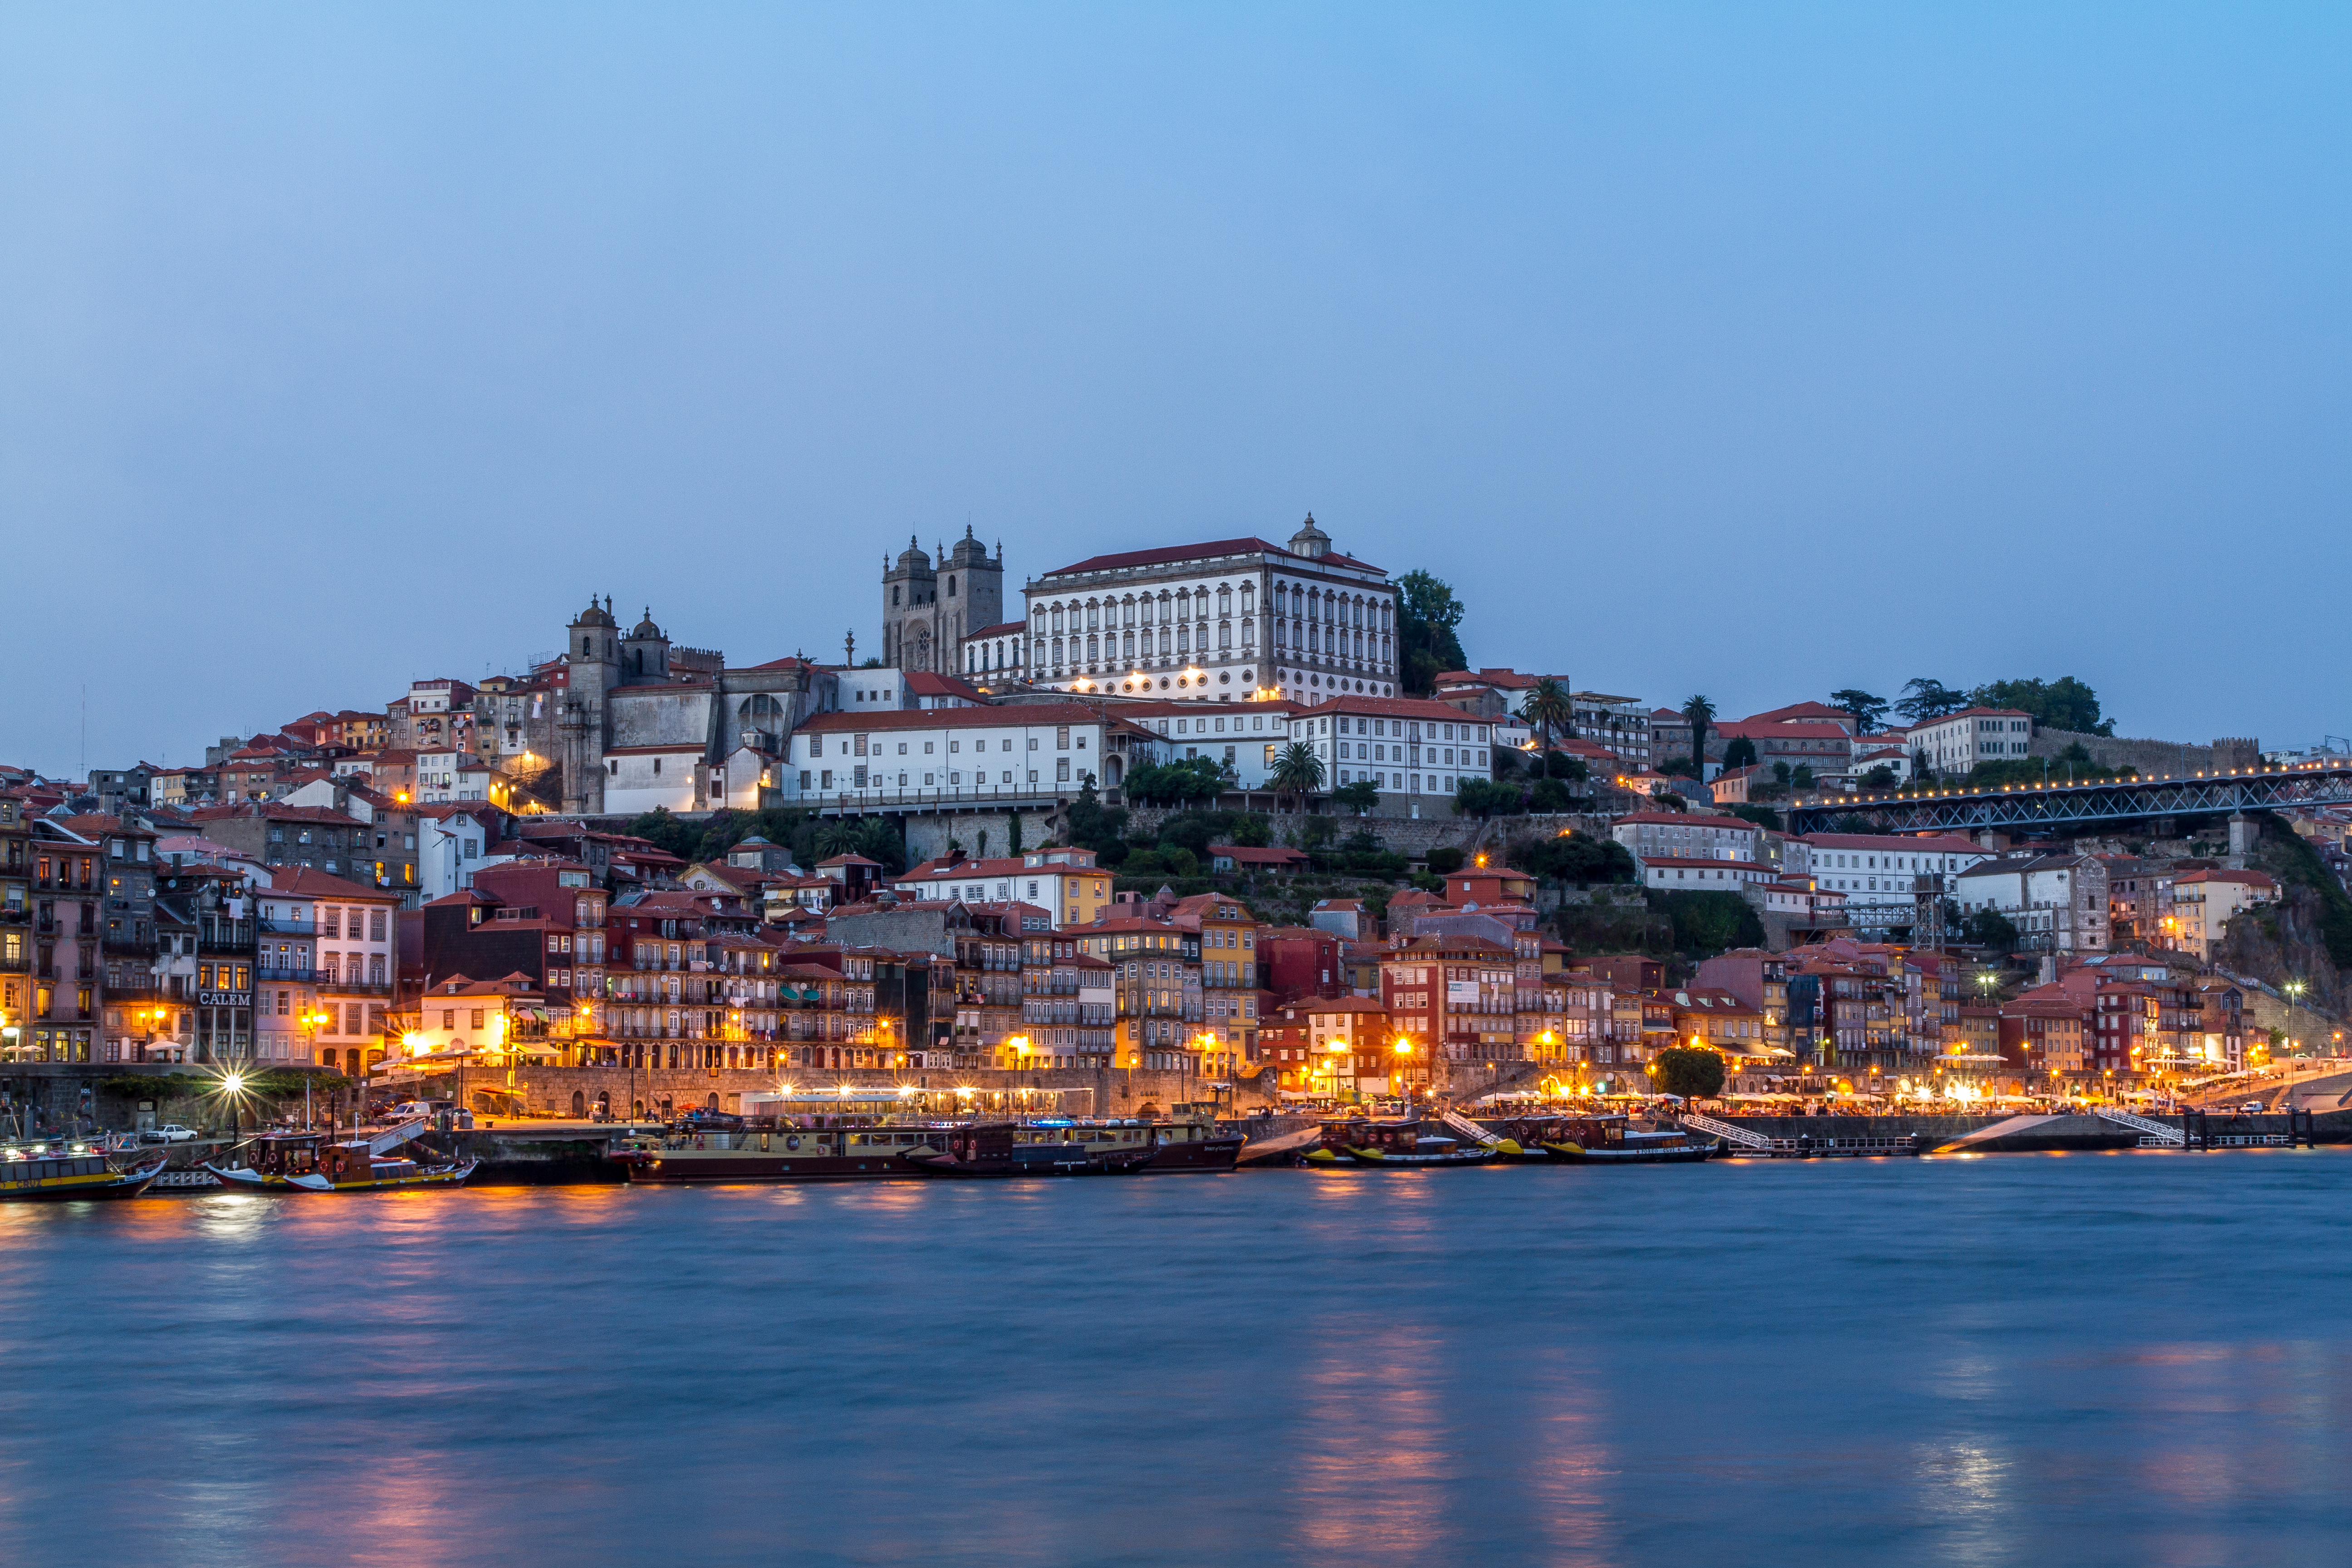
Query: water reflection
(1796, 1365)
(1373, 1450)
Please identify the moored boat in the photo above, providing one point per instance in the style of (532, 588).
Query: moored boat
(312, 1163)
(1395, 1145)
(846, 1154)
(1608, 1141)
(1009, 1149)
(61, 1173)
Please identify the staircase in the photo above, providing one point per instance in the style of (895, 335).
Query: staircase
(1469, 1129)
(2153, 1134)
(1727, 1132)
(392, 1138)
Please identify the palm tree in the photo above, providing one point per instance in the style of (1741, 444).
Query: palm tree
(1298, 770)
(1547, 705)
(1700, 712)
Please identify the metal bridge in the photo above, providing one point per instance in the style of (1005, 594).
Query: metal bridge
(2037, 808)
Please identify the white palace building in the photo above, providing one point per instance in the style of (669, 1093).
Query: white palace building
(1225, 621)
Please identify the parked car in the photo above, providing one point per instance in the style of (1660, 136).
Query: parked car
(170, 1132)
(2253, 1108)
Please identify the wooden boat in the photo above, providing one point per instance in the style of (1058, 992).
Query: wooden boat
(1282, 1149)
(57, 1173)
(1008, 1148)
(864, 1152)
(309, 1163)
(1607, 1140)
(1395, 1145)
(1179, 1144)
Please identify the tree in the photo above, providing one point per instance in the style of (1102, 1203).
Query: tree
(1678, 767)
(1990, 928)
(1740, 754)
(2064, 704)
(1801, 777)
(1924, 698)
(1483, 797)
(1446, 859)
(1549, 707)
(1253, 832)
(1298, 772)
(1359, 797)
(1692, 1071)
(1700, 713)
(1576, 857)
(1560, 765)
(1881, 777)
(1867, 711)
(1781, 772)
(1762, 815)
(1549, 795)
(1922, 770)
(1427, 615)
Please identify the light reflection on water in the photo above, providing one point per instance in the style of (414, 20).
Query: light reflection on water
(1989, 1362)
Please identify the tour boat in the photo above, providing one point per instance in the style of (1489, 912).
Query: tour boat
(1395, 1145)
(1007, 1149)
(308, 1162)
(1607, 1140)
(1184, 1144)
(864, 1153)
(41, 1173)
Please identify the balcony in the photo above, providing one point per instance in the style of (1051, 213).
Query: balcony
(286, 928)
(266, 977)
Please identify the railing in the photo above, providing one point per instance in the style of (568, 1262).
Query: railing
(285, 976)
(2157, 1132)
(286, 928)
(1726, 1130)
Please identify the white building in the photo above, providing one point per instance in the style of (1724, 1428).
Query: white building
(451, 842)
(2057, 902)
(1958, 742)
(1682, 874)
(1018, 752)
(1063, 882)
(1216, 622)
(1248, 739)
(1878, 872)
(1412, 749)
(1654, 834)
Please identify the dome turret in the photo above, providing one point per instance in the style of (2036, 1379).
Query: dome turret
(1310, 541)
(595, 615)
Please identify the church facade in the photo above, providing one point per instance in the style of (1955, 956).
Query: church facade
(642, 723)
(929, 612)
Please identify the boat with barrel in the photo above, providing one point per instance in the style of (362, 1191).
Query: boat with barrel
(1014, 1148)
(71, 1169)
(316, 1161)
(853, 1148)
(1400, 1145)
(1613, 1141)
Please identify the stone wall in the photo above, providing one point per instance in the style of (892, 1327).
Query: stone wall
(1413, 840)
(2174, 757)
(928, 832)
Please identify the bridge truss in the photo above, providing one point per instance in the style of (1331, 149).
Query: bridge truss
(2039, 808)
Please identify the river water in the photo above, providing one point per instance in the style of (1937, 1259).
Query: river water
(2078, 1359)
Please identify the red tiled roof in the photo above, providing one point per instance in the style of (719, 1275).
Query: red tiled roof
(302, 882)
(1246, 546)
(1394, 707)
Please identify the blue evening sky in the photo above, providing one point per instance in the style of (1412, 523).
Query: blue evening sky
(1749, 349)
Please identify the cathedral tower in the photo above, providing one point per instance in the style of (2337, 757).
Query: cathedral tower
(910, 607)
(592, 657)
(973, 596)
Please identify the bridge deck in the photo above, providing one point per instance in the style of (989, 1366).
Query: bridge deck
(2035, 808)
